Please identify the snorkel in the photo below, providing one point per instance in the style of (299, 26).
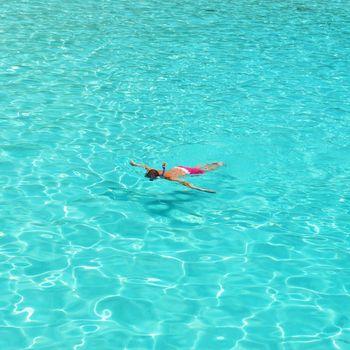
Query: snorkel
(153, 174)
(163, 167)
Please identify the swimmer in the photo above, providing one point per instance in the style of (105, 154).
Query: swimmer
(176, 173)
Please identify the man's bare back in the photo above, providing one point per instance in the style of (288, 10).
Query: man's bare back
(176, 173)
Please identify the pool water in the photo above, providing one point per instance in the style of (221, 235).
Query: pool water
(94, 256)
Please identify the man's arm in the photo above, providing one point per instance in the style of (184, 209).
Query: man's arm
(187, 184)
(140, 165)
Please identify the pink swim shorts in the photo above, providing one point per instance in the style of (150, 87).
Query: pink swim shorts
(191, 171)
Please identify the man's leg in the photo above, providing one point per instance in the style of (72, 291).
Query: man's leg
(210, 166)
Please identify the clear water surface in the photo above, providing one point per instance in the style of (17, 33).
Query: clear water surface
(95, 257)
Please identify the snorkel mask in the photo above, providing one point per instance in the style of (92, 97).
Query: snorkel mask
(152, 174)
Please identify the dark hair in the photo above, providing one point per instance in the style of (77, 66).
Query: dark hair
(152, 174)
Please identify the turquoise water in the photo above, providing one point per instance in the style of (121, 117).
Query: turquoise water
(93, 256)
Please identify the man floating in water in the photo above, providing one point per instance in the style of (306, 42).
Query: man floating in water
(176, 173)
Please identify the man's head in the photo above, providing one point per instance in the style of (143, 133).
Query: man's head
(152, 174)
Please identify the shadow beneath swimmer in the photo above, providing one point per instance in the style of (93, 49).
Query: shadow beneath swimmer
(160, 204)
(302, 8)
(178, 201)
